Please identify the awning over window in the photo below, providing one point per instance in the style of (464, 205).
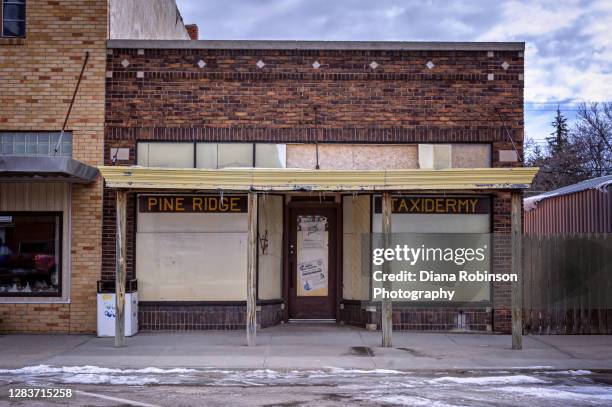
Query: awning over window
(45, 169)
(289, 179)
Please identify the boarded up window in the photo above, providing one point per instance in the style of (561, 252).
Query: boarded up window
(191, 256)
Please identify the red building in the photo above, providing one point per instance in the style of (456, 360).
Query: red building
(585, 207)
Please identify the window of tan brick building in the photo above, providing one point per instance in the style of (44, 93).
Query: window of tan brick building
(13, 18)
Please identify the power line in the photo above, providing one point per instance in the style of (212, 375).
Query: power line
(570, 102)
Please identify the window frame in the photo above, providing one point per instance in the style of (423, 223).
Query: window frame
(67, 141)
(25, 18)
(195, 150)
(60, 260)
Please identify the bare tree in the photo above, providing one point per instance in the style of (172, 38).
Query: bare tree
(592, 137)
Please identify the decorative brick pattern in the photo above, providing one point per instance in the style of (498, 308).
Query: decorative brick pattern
(38, 75)
(401, 92)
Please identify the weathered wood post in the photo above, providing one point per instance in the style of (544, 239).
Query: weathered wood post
(517, 269)
(387, 305)
(251, 315)
(120, 268)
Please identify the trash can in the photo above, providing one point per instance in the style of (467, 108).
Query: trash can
(106, 308)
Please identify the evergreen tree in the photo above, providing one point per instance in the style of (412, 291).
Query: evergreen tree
(558, 139)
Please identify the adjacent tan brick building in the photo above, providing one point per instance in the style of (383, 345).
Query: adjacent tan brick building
(38, 75)
(39, 69)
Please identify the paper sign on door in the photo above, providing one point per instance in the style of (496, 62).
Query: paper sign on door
(312, 255)
(312, 275)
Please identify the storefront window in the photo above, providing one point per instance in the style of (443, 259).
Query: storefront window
(30, 260)
(168, 155)
(234, 155)
(270, 155)
(211, 155)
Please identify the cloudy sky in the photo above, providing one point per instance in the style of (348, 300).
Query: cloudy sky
(569, 43)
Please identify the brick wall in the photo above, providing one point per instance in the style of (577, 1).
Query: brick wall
(38, 75)
(400, 101)
(192, 30)
(502, 261)
(166, 95)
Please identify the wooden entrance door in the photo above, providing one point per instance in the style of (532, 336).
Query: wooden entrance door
(312, 263)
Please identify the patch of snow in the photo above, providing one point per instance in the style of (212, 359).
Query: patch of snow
(512, 379)
(573, 393)
(404, 400)
(339, 370)
(156, 370)
(531, 367)
(570, 372)
(46, 369)
(90, 378)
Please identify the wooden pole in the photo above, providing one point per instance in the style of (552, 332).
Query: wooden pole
(251, 315)
(387, 305)
(120, 268)
(517, 269)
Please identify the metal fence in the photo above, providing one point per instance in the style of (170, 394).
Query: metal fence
(567, 284)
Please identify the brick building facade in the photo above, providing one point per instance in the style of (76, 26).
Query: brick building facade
(38, 75)
(343, 98)
(40, 62)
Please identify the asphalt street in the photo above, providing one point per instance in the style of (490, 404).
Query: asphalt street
(323, 387)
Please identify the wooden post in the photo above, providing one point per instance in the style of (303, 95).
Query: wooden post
(120, 268)
(251, 315)
(387, 305)
(517, 269)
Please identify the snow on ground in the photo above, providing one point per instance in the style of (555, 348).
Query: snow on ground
(437, 388)
(564, 393)
(508, 379)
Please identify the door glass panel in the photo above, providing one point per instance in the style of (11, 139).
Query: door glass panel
(312, 256)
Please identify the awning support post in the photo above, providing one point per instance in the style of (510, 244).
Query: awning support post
(120, 268)
(517, 287)
(387, 305)
(251, 314)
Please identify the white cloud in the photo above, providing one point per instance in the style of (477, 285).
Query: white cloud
(532, 18)
(394, 11)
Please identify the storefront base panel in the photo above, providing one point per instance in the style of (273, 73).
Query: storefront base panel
(38, 318)
(202, 317)
(418, 319)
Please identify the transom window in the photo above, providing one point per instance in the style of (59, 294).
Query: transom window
(35, 144)
(13, 18)
(211, 155)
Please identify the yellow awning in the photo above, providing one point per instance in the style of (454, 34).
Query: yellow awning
(291, 179)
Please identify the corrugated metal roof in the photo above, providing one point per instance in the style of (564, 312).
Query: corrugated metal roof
(601, 183)
(293, 179)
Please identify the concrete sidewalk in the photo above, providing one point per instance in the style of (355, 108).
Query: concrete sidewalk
(309, 347)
